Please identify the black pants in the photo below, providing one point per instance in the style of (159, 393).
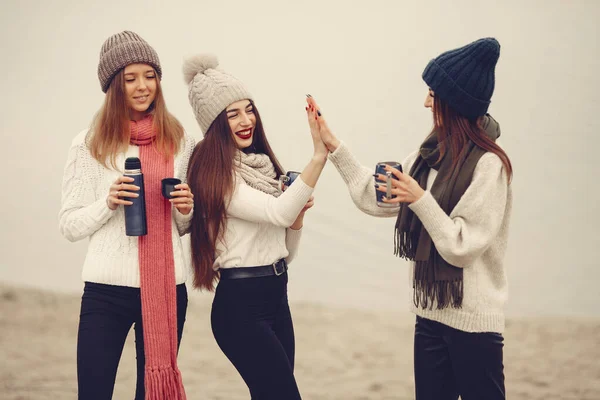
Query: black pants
(449, 363)
(107, 313)
(252, 324)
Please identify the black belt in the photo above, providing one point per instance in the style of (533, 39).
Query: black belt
(277, 268)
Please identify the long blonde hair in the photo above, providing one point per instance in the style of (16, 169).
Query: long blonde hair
(110, 128)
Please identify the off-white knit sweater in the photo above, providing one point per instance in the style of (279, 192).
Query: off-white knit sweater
(112, 257)
(258, 224)
(472, 237)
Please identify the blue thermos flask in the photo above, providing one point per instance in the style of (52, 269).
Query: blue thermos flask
(135, 214)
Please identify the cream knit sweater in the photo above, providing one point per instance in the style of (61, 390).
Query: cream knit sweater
(258, 224)
(472, 237)
(112, 257)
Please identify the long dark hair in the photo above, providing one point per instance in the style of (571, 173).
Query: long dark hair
(459, 129)
(211, 179)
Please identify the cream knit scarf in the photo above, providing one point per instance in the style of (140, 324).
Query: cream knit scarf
(258, 172)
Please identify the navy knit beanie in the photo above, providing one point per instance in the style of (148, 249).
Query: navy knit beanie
(464, 77)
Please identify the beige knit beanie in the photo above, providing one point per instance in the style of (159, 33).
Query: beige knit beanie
(211, 89)
(122, 49)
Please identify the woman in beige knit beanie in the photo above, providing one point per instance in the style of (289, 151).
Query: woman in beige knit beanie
(129, 280)
(245, 230)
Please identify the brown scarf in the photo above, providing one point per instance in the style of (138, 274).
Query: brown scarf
(436, 281)
(157, 272)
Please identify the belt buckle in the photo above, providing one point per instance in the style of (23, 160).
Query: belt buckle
(275, 269)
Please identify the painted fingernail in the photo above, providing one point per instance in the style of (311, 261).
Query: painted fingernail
(319, 113)
(375, 175)
(308, 95)
(376, 186)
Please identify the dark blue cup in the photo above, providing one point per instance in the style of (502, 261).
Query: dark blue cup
(168, 186)
(379, 195)
(287, 179)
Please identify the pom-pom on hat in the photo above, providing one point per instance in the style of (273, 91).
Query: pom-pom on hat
(210, 89)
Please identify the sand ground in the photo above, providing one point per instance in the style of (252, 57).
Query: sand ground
(341, 353)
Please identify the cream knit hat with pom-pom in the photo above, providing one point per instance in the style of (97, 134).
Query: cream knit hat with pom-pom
(211, 89)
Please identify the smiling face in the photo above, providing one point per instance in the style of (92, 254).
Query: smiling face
(140, 89)
(242, 121)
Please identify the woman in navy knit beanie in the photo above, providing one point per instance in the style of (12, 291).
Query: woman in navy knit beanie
(452, 206)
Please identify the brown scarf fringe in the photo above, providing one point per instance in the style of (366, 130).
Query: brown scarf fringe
(442, 294)
(405, 244)
(427, 292)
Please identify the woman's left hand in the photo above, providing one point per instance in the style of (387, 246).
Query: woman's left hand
(404, 187)
(183, 198)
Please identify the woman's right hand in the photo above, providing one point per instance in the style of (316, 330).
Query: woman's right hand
(121, 188)
(320, 149)
(327, 136)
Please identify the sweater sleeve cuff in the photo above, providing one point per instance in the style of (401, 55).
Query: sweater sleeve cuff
(300, 190)
(100, 212)
(183, 221)
(292, 241)
(347, 165)
(181, 218)
(431, 215)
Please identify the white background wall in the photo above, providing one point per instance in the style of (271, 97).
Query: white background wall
(363, 62)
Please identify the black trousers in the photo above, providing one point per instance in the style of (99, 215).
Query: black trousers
(252, 325)
(107, 313)
(450, 362)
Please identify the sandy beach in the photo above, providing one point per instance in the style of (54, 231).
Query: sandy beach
(341, 353)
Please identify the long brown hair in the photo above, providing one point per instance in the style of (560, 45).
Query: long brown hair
(110, 132)
(211, 179)
(458, 130)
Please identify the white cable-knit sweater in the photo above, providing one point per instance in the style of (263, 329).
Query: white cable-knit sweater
(258, 230)
(472, 237)
(112, 257)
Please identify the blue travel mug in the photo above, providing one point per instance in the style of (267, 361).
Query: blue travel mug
(288, 179)
(135, 214)
(379, 169)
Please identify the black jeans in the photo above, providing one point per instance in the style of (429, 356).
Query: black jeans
(252, 325)
(107, 313)
(449, 363)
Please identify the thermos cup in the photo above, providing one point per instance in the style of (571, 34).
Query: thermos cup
(379, 195)
(135, 214)
(168, 186)
(288, 179)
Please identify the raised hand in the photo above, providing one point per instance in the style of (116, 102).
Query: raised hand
(330, 140)
(320, 149)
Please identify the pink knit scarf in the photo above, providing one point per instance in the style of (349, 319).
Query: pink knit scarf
(157, 272)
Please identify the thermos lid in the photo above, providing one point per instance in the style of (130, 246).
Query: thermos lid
(133, 163)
